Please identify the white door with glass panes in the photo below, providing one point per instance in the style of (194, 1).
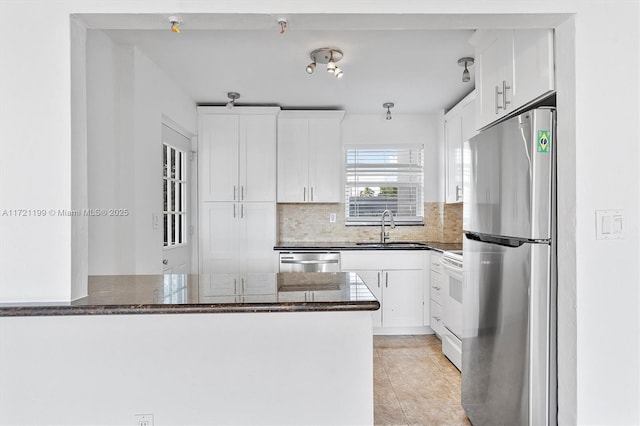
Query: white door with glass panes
(176, 156)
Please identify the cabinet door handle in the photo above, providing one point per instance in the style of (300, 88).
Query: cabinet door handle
(386, 279)
(312, 193)
(304, 194)
(242, 193)
(234, 192)
(497, 97)
(242, 284)
(504, 94)
(234, 210)
(378, 279)
(241, 211)
(235, 286)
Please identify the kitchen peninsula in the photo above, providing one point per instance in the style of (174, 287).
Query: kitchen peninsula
(144, 342)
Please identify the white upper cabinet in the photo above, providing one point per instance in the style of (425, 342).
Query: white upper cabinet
(494, 75)
(310, 156)
(237, 153)
(513, 69)
(459, 126)
(533, 65)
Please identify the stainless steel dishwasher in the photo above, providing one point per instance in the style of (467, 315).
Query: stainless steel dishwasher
(310, 262)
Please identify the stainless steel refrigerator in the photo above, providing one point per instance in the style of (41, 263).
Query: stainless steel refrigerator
(509, 282)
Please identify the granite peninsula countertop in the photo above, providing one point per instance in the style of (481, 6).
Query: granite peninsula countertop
(187, 293)
(366, 245)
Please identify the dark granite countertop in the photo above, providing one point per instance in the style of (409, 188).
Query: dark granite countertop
(180, 294)
(371, 245)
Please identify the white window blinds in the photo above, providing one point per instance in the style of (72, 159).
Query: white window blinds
(384, 178)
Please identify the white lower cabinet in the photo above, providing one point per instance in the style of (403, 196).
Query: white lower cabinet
(436, 293)
(397, 280)
(236, 249)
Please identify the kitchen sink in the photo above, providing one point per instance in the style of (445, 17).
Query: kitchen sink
(393, 244)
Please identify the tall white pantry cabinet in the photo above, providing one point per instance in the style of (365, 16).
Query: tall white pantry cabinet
(237, 200)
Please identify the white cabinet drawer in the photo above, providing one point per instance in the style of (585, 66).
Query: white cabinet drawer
(436, 288)
(436, 318)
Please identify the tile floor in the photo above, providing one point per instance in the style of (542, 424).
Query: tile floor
(414, 384)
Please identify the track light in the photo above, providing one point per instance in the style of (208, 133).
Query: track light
(311, 67)
(464, 62)
(233, 96)
(326, 55)
(331, 67)
(388, 106)
(175, 24)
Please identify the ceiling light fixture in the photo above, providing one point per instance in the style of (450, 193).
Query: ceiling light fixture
(329, 56)
(464, 62)
(283, 25)
(233, 96)
(175, 24)
(388, 106)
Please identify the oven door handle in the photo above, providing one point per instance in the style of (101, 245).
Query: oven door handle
(309, 262)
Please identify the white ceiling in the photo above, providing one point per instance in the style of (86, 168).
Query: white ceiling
(411, 60)
(418, 70)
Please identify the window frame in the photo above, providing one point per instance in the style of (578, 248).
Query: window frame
(414, 168)
(180, 185)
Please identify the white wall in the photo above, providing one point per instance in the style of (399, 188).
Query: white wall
(373, 129)
(127, 98)
(607, 177)
(188, 369)
(35, 253)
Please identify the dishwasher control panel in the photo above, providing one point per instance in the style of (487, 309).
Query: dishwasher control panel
(310, 262)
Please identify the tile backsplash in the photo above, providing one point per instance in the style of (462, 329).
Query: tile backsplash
(310, 222)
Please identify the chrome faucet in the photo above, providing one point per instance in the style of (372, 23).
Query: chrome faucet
(384, 236)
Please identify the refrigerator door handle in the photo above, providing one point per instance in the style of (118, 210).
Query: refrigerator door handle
(542, 337)
(491, 239)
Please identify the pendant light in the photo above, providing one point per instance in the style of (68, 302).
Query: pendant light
(233, 96)
(388, 106)
(465, 62)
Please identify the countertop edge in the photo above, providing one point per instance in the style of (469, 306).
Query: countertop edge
(283, 247)
(150, 309)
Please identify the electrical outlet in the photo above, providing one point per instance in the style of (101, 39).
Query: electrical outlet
(332, 218)
(143, 419)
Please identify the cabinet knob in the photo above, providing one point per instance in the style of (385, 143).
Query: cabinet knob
(165, 261)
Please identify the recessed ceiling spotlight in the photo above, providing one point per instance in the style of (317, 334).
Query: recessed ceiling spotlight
(464, 62)
(175, 24)
(388, 106)
(329, 56)
(233, 96)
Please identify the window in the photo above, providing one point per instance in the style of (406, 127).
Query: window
(384, 178)
(175, 195)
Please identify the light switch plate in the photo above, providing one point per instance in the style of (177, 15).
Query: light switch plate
(609, 224)
(143, 419)
(332, 218)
